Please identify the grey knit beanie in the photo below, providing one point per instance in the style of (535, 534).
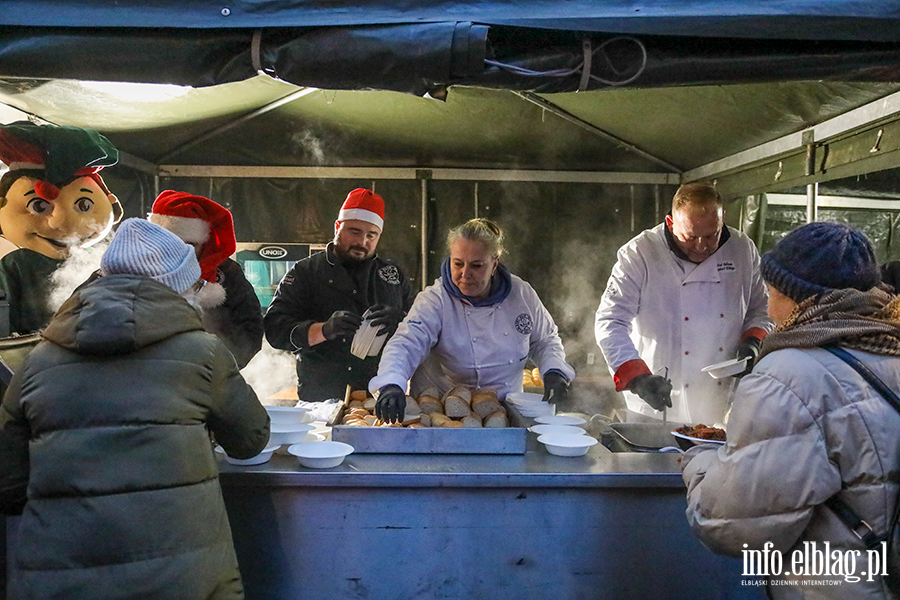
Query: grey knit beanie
(818, 257)
(144, 248)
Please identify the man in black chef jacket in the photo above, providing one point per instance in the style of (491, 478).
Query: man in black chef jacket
(319, 303)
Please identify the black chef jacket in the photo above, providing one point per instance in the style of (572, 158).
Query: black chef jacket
(309, 293)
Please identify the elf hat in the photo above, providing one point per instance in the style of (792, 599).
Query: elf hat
(363, 205)
(63, 153)
(199, 220)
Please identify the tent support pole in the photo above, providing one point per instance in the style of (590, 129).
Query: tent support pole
(812, 189)
(423, 227)
(567, 116)
(240, 120)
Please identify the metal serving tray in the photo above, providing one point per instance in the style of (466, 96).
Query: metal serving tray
(645, 437)
(434, 440)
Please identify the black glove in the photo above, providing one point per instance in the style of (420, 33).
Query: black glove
(748, 348)
(556, 387)
(655, 390)
(341, 323)
(391, 404)
(386, 315)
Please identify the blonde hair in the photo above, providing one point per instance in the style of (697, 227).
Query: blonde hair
(479, 230)
(701, 197)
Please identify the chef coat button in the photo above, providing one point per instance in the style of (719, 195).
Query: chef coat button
(722, 315)
(349, 368)
(354, 291)
(506, 333)
(721, 350)
(686, 352)
(718, 383)
(510, 362)
(687, 385)
(331, 281)
(686, 319)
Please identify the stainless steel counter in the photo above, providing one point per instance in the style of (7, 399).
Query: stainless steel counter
(606, 525)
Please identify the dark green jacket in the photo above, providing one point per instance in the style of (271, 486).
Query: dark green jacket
(25, 275)
(114, 411)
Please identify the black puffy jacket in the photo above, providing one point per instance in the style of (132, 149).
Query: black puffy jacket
(113, 411)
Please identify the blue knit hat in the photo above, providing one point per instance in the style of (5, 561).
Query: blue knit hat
(818, 257)
(144, 248)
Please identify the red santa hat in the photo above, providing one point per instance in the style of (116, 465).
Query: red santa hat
(363, 205)
(199, 220)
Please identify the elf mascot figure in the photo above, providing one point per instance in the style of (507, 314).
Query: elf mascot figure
(52, 201)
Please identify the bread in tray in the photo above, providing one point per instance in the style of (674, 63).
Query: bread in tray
(459, 407)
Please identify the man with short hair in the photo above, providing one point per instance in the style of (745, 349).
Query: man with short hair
(320, 303)
(682, 296)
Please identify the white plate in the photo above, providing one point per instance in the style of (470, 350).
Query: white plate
(727, 368)
(559, 420)
(567, 444)
(697, 440)
(321, 455)
(550, 429)
(262, 457)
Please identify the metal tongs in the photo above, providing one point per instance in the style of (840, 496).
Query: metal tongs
(666, 408)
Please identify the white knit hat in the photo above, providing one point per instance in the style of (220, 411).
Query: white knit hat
(144, 248)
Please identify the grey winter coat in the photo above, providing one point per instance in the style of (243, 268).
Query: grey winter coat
(113, 411)
(804, 426)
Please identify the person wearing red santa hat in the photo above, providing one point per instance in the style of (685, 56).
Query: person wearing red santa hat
(229, 306)
(320, 302)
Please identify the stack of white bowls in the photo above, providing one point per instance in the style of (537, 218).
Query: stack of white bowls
(530, 404)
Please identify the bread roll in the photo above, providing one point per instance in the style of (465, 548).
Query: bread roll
(484, 394)
(497, 419)
(425, 420)
(417, 426)
(472, 420)
(457, 406)
(410, 420)
(536, 377)
(412, 407)
(369, 404)
(460, 391)
(357, 404)
(359, 395)
(485, 404)
(442, 420)
(430, 404)
(370, 420)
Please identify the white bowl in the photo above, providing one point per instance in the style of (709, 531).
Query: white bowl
(262, 457)
(551, 429)
(539, 411)
(567, 444)
(282, 434)
(285, 415)
(519, 398)
(321, 455)
(727, 368)
(559, 420)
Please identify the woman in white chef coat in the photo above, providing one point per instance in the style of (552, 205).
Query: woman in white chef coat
(477, 326)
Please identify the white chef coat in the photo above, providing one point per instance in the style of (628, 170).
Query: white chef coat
(445, 341)
(674, 313)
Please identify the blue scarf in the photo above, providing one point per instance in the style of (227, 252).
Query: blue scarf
(501, 286)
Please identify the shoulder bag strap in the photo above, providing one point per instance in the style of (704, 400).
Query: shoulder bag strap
(860, 528)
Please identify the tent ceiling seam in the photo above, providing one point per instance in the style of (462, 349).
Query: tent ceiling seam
(578, 121)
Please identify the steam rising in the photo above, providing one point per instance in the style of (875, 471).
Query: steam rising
(270, 371)
(76, 269)
(311, 144)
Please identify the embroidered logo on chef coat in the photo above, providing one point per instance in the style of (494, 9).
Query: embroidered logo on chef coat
(390, 274)
(288, 280)
(725, 266)
(524, 324)
(611, 290)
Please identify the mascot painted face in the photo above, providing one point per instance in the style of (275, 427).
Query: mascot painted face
(52, 202)
(53, 199)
